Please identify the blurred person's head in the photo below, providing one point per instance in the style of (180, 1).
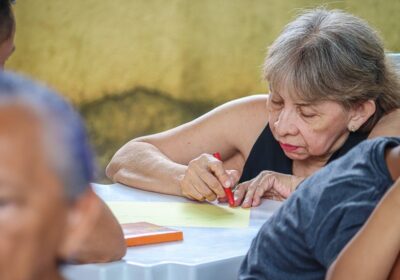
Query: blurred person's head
(7, 31)
(46, 165)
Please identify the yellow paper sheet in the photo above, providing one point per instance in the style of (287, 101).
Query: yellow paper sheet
(180, 214)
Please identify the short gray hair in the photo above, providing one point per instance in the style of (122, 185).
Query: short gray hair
(63, 136)
(333, 55)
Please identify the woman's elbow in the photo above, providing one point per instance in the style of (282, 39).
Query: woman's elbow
(112, 169)
(123, 158)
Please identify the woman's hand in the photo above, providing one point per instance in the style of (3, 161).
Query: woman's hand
(205, 178)
(267, 184)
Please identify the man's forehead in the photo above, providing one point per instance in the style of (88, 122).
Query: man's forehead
(20, 147)
(19, 122)
(19, 113)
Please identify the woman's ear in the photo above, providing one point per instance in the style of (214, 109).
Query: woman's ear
(82, 216)
(360, 114)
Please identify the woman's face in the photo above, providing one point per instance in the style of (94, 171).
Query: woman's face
(305, 130)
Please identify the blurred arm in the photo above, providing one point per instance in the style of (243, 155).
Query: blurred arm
(106, 242)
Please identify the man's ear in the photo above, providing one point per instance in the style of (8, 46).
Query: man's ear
(360, 114)
(81, 218)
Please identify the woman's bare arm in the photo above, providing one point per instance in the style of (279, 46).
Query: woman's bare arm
(158, 162)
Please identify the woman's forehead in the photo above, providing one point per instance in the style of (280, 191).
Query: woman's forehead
(298, 99)
(288, 91)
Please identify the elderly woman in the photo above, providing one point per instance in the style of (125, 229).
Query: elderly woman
(330, 85)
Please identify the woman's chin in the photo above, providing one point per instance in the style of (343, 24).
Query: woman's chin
(296, 156)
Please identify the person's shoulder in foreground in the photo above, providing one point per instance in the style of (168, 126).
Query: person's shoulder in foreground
(306, 234)
(373, 253)
(48, 212)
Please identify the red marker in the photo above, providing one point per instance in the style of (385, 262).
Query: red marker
(228, 191)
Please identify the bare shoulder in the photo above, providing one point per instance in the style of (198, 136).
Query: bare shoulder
(240, 111)
(253, 104)
(246, 117)
(229, 128)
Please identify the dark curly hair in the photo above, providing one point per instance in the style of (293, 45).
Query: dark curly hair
(7, 20)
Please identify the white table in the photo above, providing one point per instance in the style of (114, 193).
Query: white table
(205, 253)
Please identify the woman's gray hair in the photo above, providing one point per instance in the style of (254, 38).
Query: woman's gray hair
(333, 55)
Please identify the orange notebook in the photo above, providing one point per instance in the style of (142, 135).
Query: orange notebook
(142, 233)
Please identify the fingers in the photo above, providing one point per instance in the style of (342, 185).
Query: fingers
(261, 184)
(193, 186)
(267, 184)
(204, 179)
(252, 191)
(258, 194)
(203, 187)
(222, 199)
(240, 193)
(218, 170)
(248, 198)
(234, 175)
(189, 191)
(212, 181)
(274, 195)
(193, 195)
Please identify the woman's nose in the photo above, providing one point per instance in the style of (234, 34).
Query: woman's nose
(285, 124)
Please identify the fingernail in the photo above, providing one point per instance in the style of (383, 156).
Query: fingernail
(227, 184)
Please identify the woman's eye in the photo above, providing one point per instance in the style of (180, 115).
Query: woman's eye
(276, 102)
(308, 115)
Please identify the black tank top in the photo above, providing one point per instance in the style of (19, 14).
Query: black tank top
(267, 154)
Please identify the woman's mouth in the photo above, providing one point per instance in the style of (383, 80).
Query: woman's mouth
(288, 147)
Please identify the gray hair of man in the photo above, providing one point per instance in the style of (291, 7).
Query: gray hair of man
(332, 55)
(64, 136)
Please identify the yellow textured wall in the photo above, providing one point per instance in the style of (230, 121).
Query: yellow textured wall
(187, 48)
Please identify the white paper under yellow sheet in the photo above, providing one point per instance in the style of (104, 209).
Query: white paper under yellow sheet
(180, 214)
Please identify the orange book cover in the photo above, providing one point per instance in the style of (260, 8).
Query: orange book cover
(142, 233)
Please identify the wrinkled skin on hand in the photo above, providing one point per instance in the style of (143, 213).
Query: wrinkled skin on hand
(267, 184)
(205, 178)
